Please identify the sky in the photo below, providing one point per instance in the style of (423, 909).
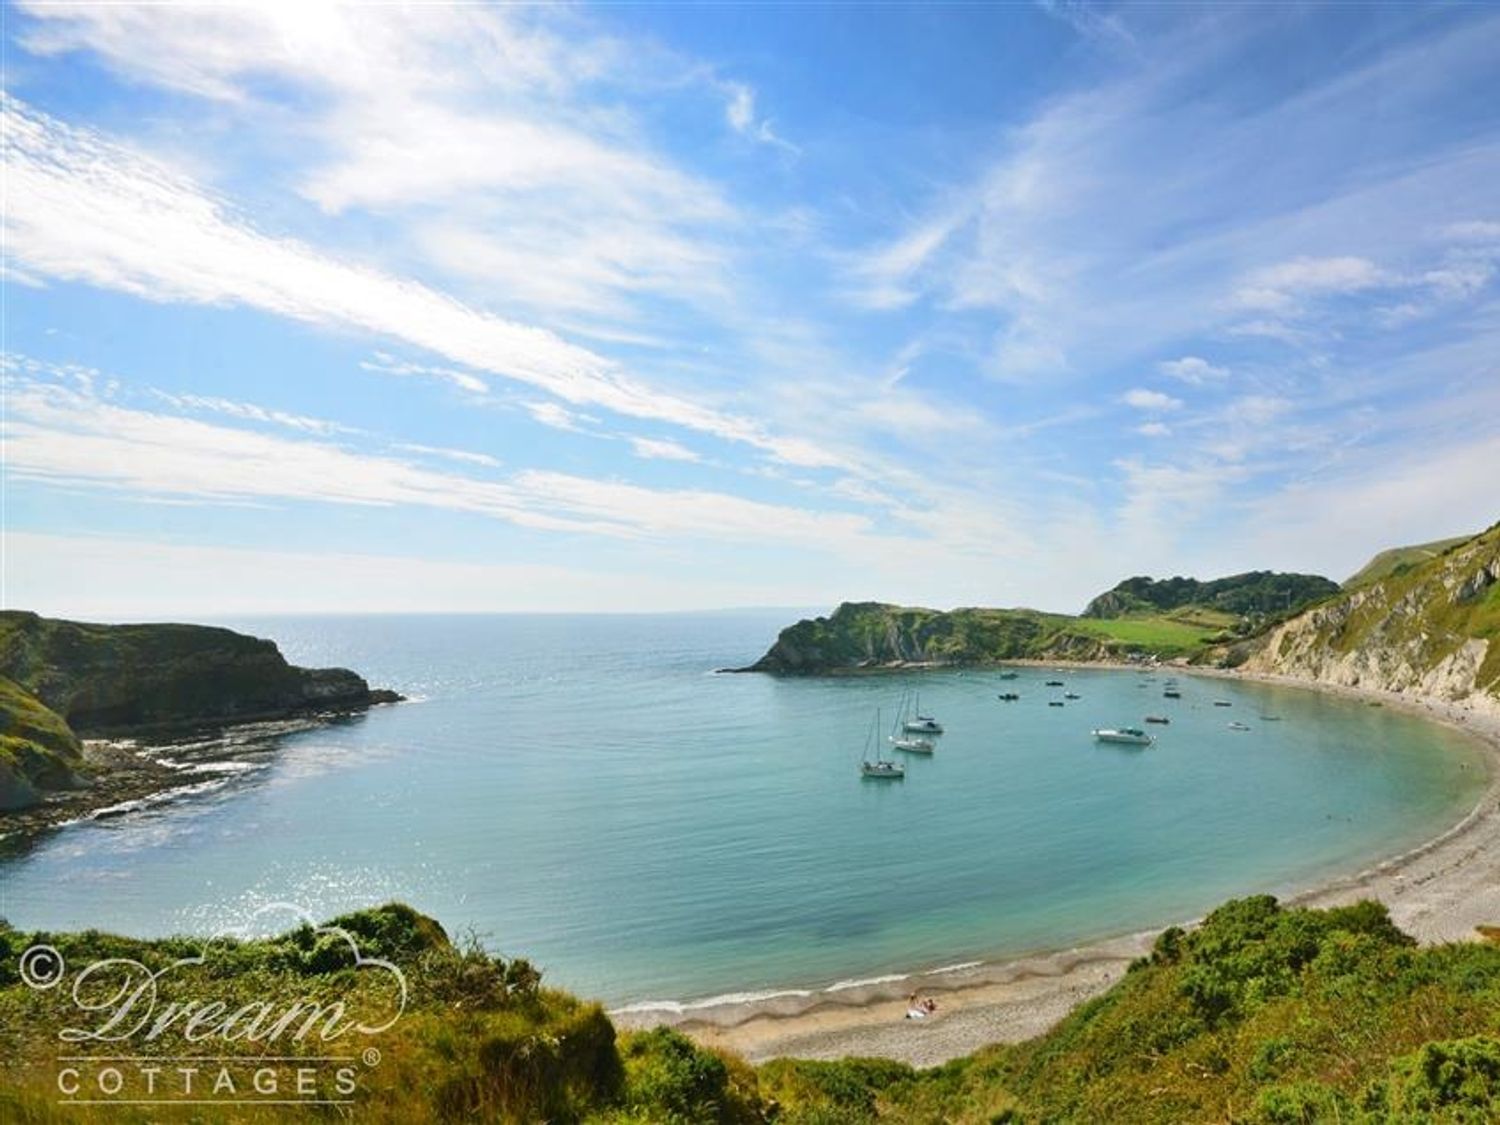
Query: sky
(310, 308)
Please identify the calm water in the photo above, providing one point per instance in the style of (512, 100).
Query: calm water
(584, 791)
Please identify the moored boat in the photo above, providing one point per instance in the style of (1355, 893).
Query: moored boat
(879, 768)
(1130, 736)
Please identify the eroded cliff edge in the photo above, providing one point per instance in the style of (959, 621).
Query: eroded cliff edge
(1432, 630)
(62, 680)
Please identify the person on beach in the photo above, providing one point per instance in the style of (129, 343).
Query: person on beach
(914, 1008)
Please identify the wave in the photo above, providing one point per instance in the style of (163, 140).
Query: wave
(677, 1007)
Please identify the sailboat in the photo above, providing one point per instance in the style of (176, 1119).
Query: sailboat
(879, 768)
(920, 723)
(910, 743)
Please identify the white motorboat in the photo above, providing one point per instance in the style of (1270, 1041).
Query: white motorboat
(1130, 736)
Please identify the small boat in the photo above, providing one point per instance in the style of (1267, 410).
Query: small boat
(1054, 683)
(1270, 718)
(920, 723)
(1071, 695)
(1054, 703)
(1010, 675)
(1162, 719)
(1222, 703)
(1131, 736)
(1010, 696)
(1238, 726)
(1171, 695)
(913, 745)
(879, 768)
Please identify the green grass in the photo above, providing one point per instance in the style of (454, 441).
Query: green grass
(1261, 1015)
(1399, 560)
(1167, 635)
(37, 749)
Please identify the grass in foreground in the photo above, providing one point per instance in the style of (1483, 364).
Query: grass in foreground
(1261, 1015)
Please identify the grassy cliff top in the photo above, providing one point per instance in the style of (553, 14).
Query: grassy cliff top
(1398, 560)
(1262, 1014)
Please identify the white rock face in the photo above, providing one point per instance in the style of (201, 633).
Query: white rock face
(1392, 639)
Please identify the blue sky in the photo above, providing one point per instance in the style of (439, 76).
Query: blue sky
(669, 307)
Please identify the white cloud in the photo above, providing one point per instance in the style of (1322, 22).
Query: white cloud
(62, 435)
(1119, 220)
(1154, 429)
(661, 449)
(559, 417)
(1277, 288)
(84, 209)
(252, 413)
(1142, 399)
(461, 455)
(386, 364)
(1193, 370)
(1090, 21)
(478, 126)
(739, 112)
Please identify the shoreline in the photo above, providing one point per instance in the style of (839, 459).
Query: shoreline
(1438, 891)
(148, 766)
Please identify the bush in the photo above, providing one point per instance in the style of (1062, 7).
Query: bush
(1455, 1079)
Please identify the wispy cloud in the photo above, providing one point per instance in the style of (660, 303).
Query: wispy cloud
(1129, 217)
(661, 449)
(482, 112)
(70, 435)
(1193, 370)
(1143, 399)
(1278, 288)
(84, 209)
(252, 413)
(739, 112)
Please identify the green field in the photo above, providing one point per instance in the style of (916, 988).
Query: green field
(1167, 635)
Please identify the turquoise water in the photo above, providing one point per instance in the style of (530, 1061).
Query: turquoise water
(585, 791)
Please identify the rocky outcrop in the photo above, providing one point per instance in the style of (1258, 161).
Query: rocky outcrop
(1432, 629)
(867, 635)
(125, 678)
(62, 679)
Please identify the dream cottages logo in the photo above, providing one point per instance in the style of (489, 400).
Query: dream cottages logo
(177, 1034)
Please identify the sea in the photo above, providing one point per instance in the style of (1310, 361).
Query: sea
(591, 793)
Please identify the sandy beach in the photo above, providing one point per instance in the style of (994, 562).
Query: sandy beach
(1438, 892)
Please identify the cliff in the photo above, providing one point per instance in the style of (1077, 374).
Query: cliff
(62, 679)
(872, 635)
(1429, 628)
(37, 750)
(1256, 592)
